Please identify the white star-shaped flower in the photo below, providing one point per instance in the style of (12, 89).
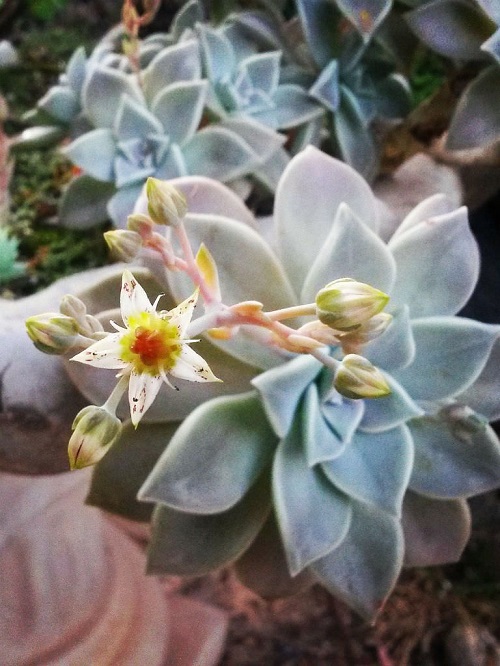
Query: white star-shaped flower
(150, 347)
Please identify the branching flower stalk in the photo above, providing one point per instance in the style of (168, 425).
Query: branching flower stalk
(154, 345)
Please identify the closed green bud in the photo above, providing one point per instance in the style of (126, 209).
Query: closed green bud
(52, 333)
(123, 243)
(345, 304)
(357, 378)
(366, 332)
(166, 204)
(71, 306)
(95, 430)
(140, 223)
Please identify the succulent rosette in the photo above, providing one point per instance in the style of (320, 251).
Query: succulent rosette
(289, 480)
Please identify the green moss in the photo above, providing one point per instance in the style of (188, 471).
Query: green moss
(427, 75)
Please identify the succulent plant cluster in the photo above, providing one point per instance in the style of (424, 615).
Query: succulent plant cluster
(285, 469)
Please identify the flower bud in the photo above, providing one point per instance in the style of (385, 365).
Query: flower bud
(367, 332)
(71, 306)
(345, 304)
(166, 204)
(52, 333)
(357, 378)
(140, 223)
(124, 244)
(95, 431)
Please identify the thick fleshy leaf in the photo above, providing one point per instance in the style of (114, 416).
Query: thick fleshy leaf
(492, 8)
(173, 64)
(292, 107)
(218, 153)
(119, 475)
(35, 138)
(262, 140)
(375, 468)
(263, 567)
(134, 121)
(365, 14)
(247, 269)
(476, 121)
(483, 396)
(450, 354)
(354, 137)
(282, 388)
(492, 45)
(313, 516)
(363, 570)
(342, 414)
(102, 92)
(395, 348)
(453, 28)
(435, 531)
(121, 204)
(184, 544)
(457, 454)
(447, 244)
(94, 152)
(310, 191)
(179, 108)
(263, 70)
(320, 441)
(319, 22)
(390, 410)
(84, 202)
(433, 206)
(61, 103)
(75, 70)
(326, 87)
(351, 250)
(215, 456)
(218, 56)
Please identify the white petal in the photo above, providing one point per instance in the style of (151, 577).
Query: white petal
(181, 315)
(142, 390)
(133, 298)
(105, 353)
(193, 367)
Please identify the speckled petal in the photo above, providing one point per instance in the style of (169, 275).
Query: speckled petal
(104, 353)
(142, 390)
(133, 298)
(192, 366)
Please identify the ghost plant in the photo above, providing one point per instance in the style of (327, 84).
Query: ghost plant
(351, 422)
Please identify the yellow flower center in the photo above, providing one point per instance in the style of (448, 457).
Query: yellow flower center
(150, 343)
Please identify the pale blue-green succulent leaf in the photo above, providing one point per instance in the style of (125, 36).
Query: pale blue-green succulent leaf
(395, 348)
(35, 138)
(118, 476)
(450, 354)
(363, 570)
(313, 516)
(492, 45)
(121, 204)
(185, 544)
(134, 121)
(264, 70)
(321, 442)
(457, 454)
(342, 414)
(302, 223)
(216, 454)
(476, 121)
(187, 17)
(282, 388)
(76, 69)
(172, 65)
(262, 140)
(483, 395)
(447, 244)
(351, 250)
(390, 410)
(263, 567)
(435, 531)
(217, 53)
(94, 152)
(61, 103)
(353, 135)
(375, 468)
(179, 109)
(271, 169)
(292, 107)
(218, 153)
(318, 18)
(492, 8)
(326, 87)
(394, 97)
(103, 91)
(84, 202)
(434, 206)
(366, 15)
(453, 28)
